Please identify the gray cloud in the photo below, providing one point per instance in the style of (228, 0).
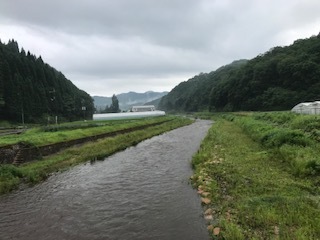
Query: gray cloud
(108, 47)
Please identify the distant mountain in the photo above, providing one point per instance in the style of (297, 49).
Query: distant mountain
(127, 100)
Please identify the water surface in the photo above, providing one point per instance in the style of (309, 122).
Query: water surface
(140, 193)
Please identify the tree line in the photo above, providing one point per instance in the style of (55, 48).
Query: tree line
(114, 106)
(275, 80)
(33, 91)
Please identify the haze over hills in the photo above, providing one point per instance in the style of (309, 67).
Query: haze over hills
(127, 100)
(275, 80)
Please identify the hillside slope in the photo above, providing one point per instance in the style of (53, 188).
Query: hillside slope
(32, 90)
(275, 80)
(194, 95)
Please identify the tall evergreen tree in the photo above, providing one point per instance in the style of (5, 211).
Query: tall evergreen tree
(27, 84)
(114, 106)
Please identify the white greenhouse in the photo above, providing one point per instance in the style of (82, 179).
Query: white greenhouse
(127, 115)
(307, 108)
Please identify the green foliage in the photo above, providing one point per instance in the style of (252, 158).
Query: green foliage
(5, 124)
(194, 94)
(279, 118)
(63, 127)
(69, 131)
(279, 137)
(29, 89)
(9, 171)
(36, 171)
(290, 136)
(114, 106)
(254, 190)
(9, 177)
(276, 80)
(306, 123)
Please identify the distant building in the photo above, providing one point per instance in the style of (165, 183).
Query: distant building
(307, 108)
(146, 108)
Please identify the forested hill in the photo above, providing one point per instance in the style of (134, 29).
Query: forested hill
(194, 94)
(275, 80)
(33, 90)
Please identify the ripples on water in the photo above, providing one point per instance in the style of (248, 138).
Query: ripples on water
(140, 193)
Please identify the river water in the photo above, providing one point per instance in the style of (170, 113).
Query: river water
(140, 193)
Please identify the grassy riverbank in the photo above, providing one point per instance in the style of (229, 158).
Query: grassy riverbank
(33, 172)
(261, 173)
(39, 136)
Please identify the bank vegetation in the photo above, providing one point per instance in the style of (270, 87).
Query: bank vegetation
(259, 176)
(33, 172)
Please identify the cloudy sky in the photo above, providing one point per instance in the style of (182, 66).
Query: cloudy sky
(116, 46)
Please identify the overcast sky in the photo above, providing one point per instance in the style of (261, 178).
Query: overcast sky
(116, 46)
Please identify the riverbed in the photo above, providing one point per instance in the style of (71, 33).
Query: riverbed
(140, 193)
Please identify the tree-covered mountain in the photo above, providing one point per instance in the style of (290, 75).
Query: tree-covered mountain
(33, 91)
(154, 102)
(194, 95)
(275, 80)
(127, 100)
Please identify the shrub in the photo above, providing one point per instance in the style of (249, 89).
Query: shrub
(280, 136)
(279, 118)
(9, 177)
(9, 171)
(307, 123)
(291, 141)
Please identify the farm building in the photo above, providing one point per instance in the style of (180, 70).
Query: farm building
(307, 108)
(146, 108)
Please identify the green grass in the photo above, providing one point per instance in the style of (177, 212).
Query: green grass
(52, 134)
(290, 140)
(5, 124)
(33, 172)
(254, 192)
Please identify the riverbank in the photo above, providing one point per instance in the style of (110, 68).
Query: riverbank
(50, 134)
(258, 176)
(142, 192)
(33, 172)
(23, 152)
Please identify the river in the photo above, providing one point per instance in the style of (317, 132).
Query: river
(140, 193)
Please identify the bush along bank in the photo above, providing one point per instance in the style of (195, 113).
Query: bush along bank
(256, 182)
(289, 137)
(33, 172)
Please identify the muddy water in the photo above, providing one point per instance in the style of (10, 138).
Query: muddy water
(140, 193)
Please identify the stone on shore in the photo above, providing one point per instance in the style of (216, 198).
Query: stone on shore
(205, 201)
(216, 231)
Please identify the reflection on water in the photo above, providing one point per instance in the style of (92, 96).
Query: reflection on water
(140, 193)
